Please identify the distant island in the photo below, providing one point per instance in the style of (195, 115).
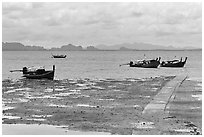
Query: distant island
(141, 46)
(16, 46)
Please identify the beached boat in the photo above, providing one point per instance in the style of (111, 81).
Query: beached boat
(174, 63)
(40, 73)
(59, 56)
(153, 63)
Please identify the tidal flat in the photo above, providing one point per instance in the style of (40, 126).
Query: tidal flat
(99, 105)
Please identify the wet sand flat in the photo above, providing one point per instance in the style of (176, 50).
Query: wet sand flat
(185, 109)
(101, 105)
(30, 129)
(181, 114)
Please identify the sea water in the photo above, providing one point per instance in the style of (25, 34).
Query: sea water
(100, 64)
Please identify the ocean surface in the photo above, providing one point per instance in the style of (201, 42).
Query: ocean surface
(100, 64)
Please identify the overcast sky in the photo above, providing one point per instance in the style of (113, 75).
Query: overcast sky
(56, 24)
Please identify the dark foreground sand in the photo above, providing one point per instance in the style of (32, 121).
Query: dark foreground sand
(106, 105)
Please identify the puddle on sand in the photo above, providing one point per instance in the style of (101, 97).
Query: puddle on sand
(49, 90)
(9, 116)
(81, 85)
(81, 96)
(19, 89)
(199, 87)
(199, 84)
(36, 119)
(23, 100)
(137, 106)
(199, 97)
(5, 107)
(195, 108)
(23, 129)
(83, 88)
(198, 79)
(154, 89)
(41, 116)
(60, 106)
(97, 87)
(86, 105)
(10, 87)
(109, 99)
(183, 130)
(67, 94)
(59, 89)
(10, 91)
(44, 97)
(142, 125)
(74, 90)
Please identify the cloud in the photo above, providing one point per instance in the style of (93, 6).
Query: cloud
(137, 14)
(107, 23)
(37, 5)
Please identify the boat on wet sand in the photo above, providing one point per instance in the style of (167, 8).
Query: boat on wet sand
(40, 73)
(174, 63)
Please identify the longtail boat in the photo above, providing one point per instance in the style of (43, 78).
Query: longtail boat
(40, 73)
(151, 63)
(59, 56)
(174, 63)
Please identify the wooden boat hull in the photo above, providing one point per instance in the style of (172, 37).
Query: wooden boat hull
(154, 64)
(47, 75)
(55, 56)
(146, 63)
(174, 64)
(150, 65)
(135, 65)
(39, 74)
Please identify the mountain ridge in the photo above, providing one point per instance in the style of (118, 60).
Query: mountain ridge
(139, 46)
(17, 46)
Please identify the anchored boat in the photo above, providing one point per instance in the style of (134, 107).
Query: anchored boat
(59, 56)
(151, 63)
(174, 63)
(40, 73)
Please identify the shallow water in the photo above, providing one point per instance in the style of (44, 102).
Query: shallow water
(99, 64)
